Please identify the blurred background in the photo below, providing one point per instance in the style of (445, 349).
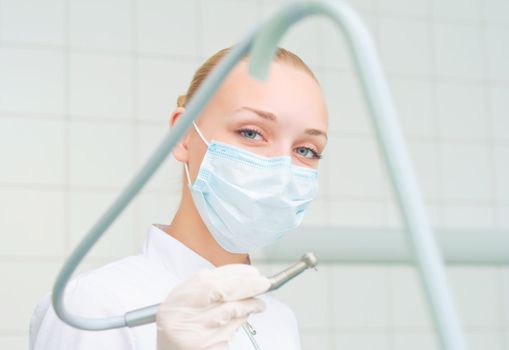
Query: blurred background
(86, 92)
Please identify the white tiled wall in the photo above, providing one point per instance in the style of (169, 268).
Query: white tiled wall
(86, 90)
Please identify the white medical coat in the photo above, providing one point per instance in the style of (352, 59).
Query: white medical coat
(139, 281)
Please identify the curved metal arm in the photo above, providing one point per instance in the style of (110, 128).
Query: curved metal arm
(263, 44)
(195, 106)
(390, 140)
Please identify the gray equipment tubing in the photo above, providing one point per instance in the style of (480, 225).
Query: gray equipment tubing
(147, 314)
(261, 43)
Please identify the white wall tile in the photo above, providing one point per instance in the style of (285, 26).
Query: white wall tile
(324, 176)
(334, 49)
(409, 306)
(22, 290)
(33, 21)
(160, 82)
(169, 27)
(405, 46)
(318, 213)
(219, 32)
(466, 10)
(14, 342)
(359, 297)
(357, 168)
(362, 340)
(403, 7)
(32, 80)
(311, 340)
(86, 207)
(361, 213)
(415, 105)
(314, 287)
(499, 108)
(96, 160)
(504, 274)
(32, 222)
(467, 216)
(433, 213)
(424, 159)
(101, 86)
(461, 111)
(303, 39)
(495, 11)
(32, 151)
(498, 53)
(477, 295)
(502, 173)
(458, 50)
(465, 171)
(415, 340)
(99, 24)
(363, 5)
(482, 340)
(345, 102)
(502, 216)
(393, 214)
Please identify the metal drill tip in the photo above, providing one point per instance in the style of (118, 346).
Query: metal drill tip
(310, 260)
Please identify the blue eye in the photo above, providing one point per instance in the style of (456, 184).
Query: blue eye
(250, 134)
(308, 153)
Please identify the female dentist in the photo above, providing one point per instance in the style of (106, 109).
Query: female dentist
(250, 171)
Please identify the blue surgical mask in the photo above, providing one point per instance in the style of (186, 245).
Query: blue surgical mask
(248, 201)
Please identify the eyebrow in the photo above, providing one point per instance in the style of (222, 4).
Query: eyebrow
(272, 117)
(263, 114)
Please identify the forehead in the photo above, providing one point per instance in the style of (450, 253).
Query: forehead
(288, 91)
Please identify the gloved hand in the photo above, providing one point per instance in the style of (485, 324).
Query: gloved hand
(205, 311)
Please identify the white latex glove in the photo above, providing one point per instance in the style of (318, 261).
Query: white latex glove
(205, 311)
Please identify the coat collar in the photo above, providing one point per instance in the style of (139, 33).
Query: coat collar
(176, 257)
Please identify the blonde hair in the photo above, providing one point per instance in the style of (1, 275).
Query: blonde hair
(282, 55)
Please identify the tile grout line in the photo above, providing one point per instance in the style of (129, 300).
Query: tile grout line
(489, 116)
(136, 126)
(330, 302)
(199, 29)
(156, 189)
(387, 191)
(108, 120)
(436, 129)
(1, 26)
(493, 159)
(67, 129)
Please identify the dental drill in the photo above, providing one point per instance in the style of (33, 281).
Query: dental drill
(147, 314)
(307, 261)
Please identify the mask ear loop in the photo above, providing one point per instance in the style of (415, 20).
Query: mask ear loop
(199, 133)
(185, 164)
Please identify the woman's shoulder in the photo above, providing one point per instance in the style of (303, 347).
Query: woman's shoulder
(128, 281)
(125, 271)
(109, 290)
(121, 285)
